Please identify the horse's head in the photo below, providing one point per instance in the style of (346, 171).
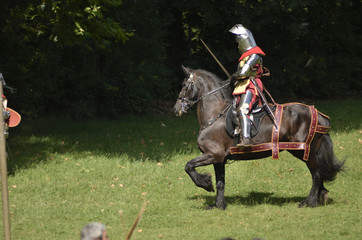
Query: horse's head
(188, 94)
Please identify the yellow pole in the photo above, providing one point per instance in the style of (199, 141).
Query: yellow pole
(217, 60)
(4, 172)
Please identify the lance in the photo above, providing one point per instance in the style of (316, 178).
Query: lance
(251, 79)
(217, 60)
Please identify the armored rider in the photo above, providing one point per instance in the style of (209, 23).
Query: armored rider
(245, 93)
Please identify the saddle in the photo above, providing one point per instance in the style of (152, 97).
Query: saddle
(256, 116)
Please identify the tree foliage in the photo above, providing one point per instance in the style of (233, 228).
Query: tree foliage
(111, 57)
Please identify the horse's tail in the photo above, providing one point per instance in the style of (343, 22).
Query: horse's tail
(328, 164)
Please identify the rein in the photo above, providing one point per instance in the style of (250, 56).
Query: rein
(209, 123)
(213, 91)
(185, 101)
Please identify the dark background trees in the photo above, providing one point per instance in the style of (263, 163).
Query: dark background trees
(109, 57)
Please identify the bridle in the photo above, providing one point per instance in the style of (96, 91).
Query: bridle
(189, 103)
(185, 102)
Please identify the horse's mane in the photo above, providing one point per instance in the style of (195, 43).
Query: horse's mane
(218, 82)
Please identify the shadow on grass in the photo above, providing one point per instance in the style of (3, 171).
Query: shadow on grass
(153, 138)
(253, 199)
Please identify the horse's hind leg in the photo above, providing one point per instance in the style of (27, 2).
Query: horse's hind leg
(220, 185)
(318, 191)
(313, 198)
(200, 180)
(324, 166)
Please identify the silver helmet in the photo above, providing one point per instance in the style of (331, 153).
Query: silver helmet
(243, 37)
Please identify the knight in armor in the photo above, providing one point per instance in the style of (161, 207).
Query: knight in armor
(245, 93)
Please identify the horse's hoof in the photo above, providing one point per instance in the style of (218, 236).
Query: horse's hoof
(301, 204)
(306, 203)
(222, 207)
(220, 204)
(210, 188)
(214, 206)
(207, 183)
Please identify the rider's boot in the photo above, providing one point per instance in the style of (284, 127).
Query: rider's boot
(246, 141)
(245, 118)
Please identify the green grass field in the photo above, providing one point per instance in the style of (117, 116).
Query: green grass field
(64, 174)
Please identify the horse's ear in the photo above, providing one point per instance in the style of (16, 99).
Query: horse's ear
(186, 70)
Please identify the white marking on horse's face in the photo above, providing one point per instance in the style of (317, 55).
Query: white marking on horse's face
(190, 77)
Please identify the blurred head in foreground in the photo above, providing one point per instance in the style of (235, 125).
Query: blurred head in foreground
(94, 231)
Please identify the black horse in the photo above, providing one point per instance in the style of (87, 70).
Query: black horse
(213, 97)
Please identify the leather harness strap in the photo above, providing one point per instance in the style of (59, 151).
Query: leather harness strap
(312, 130)
(275, 146)
(275, 134)
(322, 129)
(268, 147)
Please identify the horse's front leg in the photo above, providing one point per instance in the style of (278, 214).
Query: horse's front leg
(200, 180)
(220, 185)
